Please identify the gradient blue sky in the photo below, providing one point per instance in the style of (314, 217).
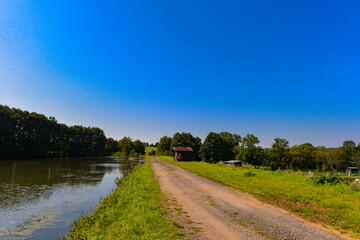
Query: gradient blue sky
(145, 69)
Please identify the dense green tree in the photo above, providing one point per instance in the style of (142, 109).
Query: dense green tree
(350, 150)
(215, 148)
(279, 153)
(111, 146)
(125, 145)
(32, 135)
(239, 152)
(322, 158)
(139, 147)
(250, 141)
(254, 156)
(187, 140)
(303, 156)
(164, 147)
(337, 159)
(356, 158)
(233, 139)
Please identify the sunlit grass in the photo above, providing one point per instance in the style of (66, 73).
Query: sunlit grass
(335, 205)
(149, 149)
(133, 211)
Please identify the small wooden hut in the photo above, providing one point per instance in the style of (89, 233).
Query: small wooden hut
(182, 153)
(351, 170)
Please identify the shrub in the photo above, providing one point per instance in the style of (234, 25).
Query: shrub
(249, 174)
(273, 166)
(323, 179)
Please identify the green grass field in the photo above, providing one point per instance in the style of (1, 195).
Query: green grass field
(332, 205)
(148, 149)
(133, 211)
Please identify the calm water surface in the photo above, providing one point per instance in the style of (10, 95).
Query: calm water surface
(39, 199)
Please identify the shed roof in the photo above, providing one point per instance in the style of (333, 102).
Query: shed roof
(182, 149)
(352, 168)
(232, 161)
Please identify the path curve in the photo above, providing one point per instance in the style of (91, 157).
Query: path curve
(225, 213)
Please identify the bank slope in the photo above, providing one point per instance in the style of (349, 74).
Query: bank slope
(133, 211)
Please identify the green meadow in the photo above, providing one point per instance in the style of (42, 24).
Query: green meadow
(149, 149)
(335, 205)
(133, 211)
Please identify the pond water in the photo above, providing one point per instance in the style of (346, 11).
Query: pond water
(39, 199)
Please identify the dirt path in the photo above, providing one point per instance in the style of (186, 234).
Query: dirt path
(209, 210)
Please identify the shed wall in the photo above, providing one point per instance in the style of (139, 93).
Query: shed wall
(183, 156)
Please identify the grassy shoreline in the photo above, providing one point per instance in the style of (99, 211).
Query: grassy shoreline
(134, 210)
(337, 206)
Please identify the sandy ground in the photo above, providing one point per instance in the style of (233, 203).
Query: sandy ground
(209, 210)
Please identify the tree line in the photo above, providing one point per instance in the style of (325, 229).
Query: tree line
(32, 135)
(126, 147)
(227, 146)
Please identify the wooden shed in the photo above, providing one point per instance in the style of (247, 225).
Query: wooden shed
(182, 153)
(351, 170)
(236, 163)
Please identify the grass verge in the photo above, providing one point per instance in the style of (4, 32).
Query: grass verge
(334, 205)
(149, 149)
(133, 211)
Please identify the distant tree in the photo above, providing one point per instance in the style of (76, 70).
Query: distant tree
(233, 139)
(187, 140)
(215, 148)
(279, 153)
(356, 158)
(303, 156)
(250, 141)
(152, 152)
(350, 149)
(337, 159)
(133, 154)
(252, 154)
(239, 152)
(139, 147)
(156, 144)
(32, 135)
(125, 146)
(322, 157)
(111, 146)
(164, 147)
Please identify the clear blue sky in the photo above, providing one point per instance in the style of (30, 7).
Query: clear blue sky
(145, 69)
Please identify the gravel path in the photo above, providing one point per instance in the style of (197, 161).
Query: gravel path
(214, 211)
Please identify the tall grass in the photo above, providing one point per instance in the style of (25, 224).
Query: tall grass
(133, 211)
(335, 205)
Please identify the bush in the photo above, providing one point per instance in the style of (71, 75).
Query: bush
(273, 166)
(152, 152)
(249, 174)
(323, 179)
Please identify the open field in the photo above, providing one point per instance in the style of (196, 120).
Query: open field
(133, 211)
(148, 149)
(332, 205)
